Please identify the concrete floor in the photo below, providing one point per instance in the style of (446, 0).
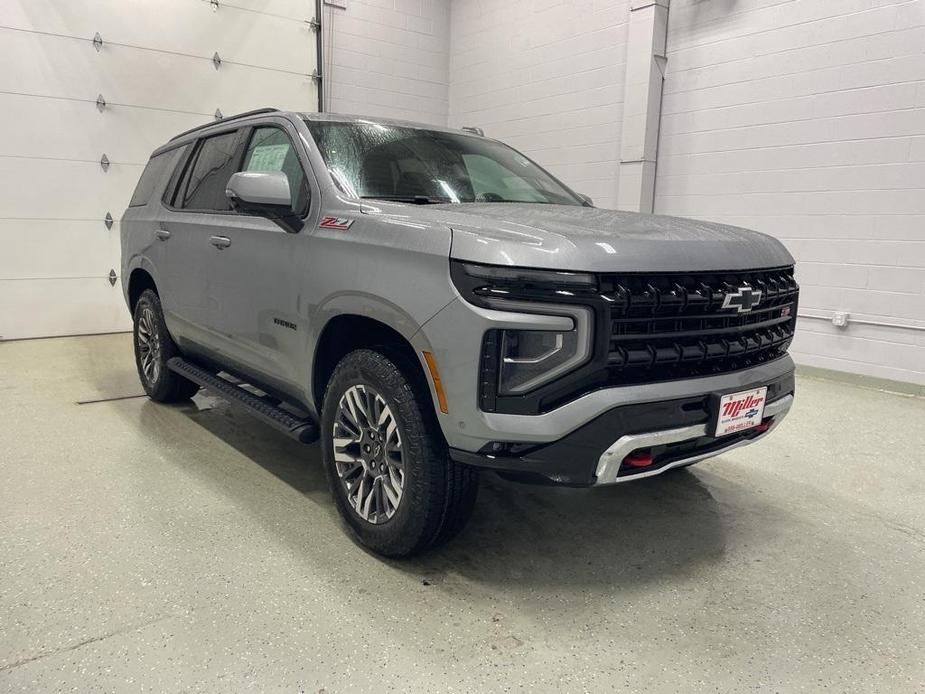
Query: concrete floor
(168, 548)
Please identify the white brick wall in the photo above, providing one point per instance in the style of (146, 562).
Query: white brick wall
(806, 120)
(389, 58)
(547, 77)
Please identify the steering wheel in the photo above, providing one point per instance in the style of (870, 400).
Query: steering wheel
(488, 197)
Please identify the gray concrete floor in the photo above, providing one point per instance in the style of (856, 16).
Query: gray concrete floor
(168, 548)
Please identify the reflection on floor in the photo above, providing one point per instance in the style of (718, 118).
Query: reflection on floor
(191, 547)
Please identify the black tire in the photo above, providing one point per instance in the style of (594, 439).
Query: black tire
(437, 495)
(160, 383)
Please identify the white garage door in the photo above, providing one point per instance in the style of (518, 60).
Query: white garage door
(162, 67)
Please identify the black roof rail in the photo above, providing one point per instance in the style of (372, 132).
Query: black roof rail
(255, 112)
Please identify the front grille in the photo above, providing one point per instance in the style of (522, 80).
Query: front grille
(672, 326)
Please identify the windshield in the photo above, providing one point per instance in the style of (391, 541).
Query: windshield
(372, 160)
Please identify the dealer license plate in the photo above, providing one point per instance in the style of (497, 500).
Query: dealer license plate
(740, 411)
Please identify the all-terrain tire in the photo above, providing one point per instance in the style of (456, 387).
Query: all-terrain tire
(438, 495)
(153, 348)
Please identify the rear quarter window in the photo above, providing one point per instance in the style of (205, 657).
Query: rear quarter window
(150, 177)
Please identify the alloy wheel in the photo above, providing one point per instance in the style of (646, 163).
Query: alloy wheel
(368, 453)
(149, 346)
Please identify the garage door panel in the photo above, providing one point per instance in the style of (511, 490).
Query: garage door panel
(139, 18)
(275, 43)
(63, 129)
(156, 74)
(266, 89)
(293, 9)
(272, 40)
(54, 189)
(139, 78)
(57, 249)
(40, 308)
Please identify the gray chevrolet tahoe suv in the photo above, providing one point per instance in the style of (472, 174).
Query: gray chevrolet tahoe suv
(429, 302)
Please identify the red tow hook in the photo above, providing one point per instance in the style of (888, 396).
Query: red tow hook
(638, 459)
(764, 426)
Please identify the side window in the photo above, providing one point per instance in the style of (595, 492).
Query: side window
(270, 149)
(208, 174)
(179, 168)
(150, 177)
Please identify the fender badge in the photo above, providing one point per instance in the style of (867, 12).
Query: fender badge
(339, 223)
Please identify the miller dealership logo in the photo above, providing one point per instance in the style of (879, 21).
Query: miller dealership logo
(742, 300)
(734, 408)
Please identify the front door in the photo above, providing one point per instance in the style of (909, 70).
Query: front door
(258, 311)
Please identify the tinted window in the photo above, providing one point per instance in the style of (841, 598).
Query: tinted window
(213, 165)
(270, 149)
(179, 164)
(150, 177)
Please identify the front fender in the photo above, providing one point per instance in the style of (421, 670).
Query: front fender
(375, 308)
(368, 306)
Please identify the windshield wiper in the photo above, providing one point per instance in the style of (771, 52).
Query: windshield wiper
(413, 199)
(518, 202)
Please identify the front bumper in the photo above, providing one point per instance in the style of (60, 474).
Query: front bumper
(693, 444)
(454, 335)
(674, 432)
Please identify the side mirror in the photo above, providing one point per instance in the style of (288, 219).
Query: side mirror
(265, 193)
(588, 201)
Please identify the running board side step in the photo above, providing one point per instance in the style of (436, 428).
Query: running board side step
(303, 430)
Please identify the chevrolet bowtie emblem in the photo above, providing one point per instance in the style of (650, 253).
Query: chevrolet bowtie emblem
(742, 300)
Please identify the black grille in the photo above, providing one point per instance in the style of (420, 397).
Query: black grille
(671, 326)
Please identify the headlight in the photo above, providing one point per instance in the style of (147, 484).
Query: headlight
(532, 357)
(528, 359)
(495, 274)
(482, 284)
(515, 362)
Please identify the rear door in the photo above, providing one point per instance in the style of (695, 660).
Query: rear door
(193, 230)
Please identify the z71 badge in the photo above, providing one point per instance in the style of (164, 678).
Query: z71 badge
(340, 223)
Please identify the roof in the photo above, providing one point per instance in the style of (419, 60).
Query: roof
(192, 133)
(353, 118)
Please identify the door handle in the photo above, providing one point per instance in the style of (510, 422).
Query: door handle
(162, 234)
(220, 242)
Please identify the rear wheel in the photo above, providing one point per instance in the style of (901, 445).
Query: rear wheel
(391, 476)
(153, 348)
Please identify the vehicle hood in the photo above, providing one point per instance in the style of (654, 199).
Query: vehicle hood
(586, 238)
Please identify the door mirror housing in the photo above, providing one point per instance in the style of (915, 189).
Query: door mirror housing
(264, 193)
(586, 199)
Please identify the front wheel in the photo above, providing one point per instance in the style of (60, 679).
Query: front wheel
(390, 473)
